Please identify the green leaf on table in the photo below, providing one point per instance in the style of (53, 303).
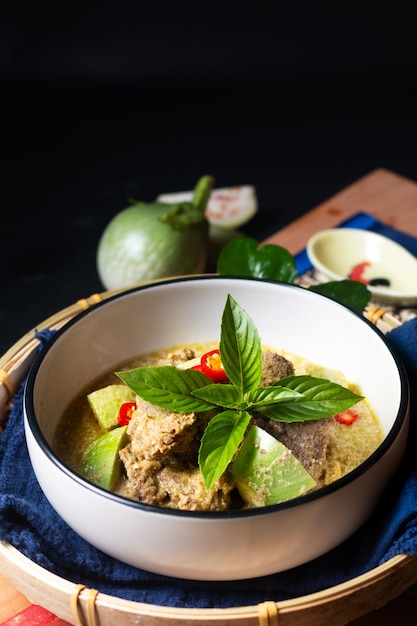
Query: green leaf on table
(245, 257)
(351, 293)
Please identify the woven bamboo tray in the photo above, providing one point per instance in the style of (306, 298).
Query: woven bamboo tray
(77, 604)
(391, 198)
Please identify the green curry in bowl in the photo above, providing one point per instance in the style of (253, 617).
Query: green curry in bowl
(238, 444)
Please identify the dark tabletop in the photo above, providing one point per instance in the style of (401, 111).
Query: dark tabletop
(102, 102)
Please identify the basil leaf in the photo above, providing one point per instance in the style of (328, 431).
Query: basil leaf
(228, 396)
(168, 387)
(245, 257)
(240, 347)
(265, 396)
(351, 293)
(319, 398)
(219, 443)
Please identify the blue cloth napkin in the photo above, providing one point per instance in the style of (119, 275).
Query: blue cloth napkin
(29, 523)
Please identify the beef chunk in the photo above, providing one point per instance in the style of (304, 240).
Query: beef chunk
(155, 432)
(274, 367)
(160, 461)
(171, 483)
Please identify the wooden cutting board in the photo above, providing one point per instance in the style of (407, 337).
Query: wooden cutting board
(392, 199)
(389, 197)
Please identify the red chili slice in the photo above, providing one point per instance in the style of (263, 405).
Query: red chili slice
(357, 272)
(212, 366)
(347, 417)
(125, 413)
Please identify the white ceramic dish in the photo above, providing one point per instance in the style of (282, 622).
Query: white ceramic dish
(215, 546)
(335, 253)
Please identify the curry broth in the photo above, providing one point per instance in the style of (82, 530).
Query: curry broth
(351, 444)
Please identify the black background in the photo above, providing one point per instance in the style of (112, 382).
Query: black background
(102, 101)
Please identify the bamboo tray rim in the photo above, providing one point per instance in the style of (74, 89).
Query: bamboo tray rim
(337, 605)
(37, 583)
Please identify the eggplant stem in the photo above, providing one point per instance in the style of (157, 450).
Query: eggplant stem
(185, 214)
(202, 192)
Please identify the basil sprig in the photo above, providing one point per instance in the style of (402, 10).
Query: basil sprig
(293, 398)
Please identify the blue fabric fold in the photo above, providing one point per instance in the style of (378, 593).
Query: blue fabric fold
(28, 522)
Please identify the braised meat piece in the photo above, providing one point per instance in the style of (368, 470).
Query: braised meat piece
(173, 485)
(156, 432)
(161, 462)
(274, 367)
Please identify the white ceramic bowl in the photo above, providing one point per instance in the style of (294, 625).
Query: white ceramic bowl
(227, 545)
(335, 252)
